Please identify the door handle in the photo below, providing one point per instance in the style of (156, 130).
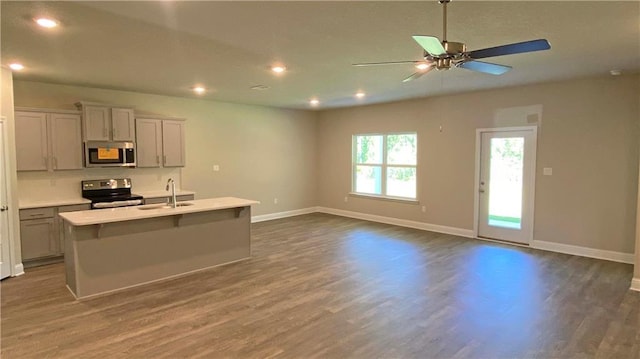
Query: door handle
(4, 208)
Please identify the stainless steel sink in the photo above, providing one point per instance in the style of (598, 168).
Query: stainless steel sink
(163, 206)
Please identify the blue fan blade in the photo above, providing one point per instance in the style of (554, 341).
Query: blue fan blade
(486, 67)
(517, 48)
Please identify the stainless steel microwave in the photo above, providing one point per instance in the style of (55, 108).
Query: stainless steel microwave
(109, 154)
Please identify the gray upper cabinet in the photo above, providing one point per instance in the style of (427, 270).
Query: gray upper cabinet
(160, 143)
(66, 141)
(123, 124)
(173, 143)
(107, 123)
(31, 141)
(48, 141)
(149, 142)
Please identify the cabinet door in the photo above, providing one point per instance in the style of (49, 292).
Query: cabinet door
(96, 122)
(173, 147)
(31, 141)
(37, 238)
(123, 124)
(148, 142)
(66, 141)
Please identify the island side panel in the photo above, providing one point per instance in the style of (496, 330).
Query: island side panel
(69, 256)
(124, 254)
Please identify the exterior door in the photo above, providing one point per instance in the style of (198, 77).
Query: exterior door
(506, 184)
(5, 257)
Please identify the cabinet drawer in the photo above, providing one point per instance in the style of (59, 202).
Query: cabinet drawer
(75, 207)
(35, 213)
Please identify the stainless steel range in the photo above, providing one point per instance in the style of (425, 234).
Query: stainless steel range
(110, 193)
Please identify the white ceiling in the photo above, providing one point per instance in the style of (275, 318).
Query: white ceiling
(166, 47)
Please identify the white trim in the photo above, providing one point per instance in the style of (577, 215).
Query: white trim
(278, 215)
(532, 186)
(468, 233)
(584, 251)
(635, 284)
(399, 222)
(18, 269)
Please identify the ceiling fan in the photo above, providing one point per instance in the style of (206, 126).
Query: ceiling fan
(446, 54)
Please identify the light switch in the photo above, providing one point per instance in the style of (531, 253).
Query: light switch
(547, 171)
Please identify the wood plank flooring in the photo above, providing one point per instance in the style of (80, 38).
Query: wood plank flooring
(321, 286)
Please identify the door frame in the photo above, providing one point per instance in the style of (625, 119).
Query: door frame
(10, 214)
(531, 189)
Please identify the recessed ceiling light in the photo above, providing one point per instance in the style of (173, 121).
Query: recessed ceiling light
(16, 66)
(422, 66)
(314, 102)
(46, 22)
(360, 94)
(199, 90)
(278, 69)
(615, 72)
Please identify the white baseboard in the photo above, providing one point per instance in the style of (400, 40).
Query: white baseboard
(584, 251)
(543, 245)
(399, 222)
(278, 215)
(635, 284)
(18, 269)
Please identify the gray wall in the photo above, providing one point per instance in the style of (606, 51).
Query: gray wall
(588, 133)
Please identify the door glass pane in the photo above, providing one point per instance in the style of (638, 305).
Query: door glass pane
(505, 191)
(401, 182)
(368, 179)
(369, 149)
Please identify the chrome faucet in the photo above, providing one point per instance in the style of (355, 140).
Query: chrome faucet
(172, 199)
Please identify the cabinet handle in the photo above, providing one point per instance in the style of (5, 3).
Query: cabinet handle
(158, 159)
(36, 214)
(164, 159)
(55, 162)
(114, 133)
(104, 132)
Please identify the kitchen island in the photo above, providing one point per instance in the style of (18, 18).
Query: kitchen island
(112, 249)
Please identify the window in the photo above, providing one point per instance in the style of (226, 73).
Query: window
(385, 165)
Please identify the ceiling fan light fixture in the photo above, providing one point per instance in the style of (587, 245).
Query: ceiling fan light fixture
(360, 94)
(422, 66)
(615, 72)
(314, 102)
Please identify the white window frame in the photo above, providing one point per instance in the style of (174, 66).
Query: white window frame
(383, 167)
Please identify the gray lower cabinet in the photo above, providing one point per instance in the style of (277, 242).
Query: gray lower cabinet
(156, 200)
(41, 233)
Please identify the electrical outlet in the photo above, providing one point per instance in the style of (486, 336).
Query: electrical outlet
(275, 201)
(424, 209)
(216, 168)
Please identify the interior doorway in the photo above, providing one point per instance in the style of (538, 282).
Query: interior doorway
(5, 254)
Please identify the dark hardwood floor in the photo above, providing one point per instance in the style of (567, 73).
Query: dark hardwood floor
(321, 286)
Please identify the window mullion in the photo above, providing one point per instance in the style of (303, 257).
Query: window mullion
(383, 169)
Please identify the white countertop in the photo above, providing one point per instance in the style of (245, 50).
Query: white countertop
(109, 215)
(26, 204)
(156, 194)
